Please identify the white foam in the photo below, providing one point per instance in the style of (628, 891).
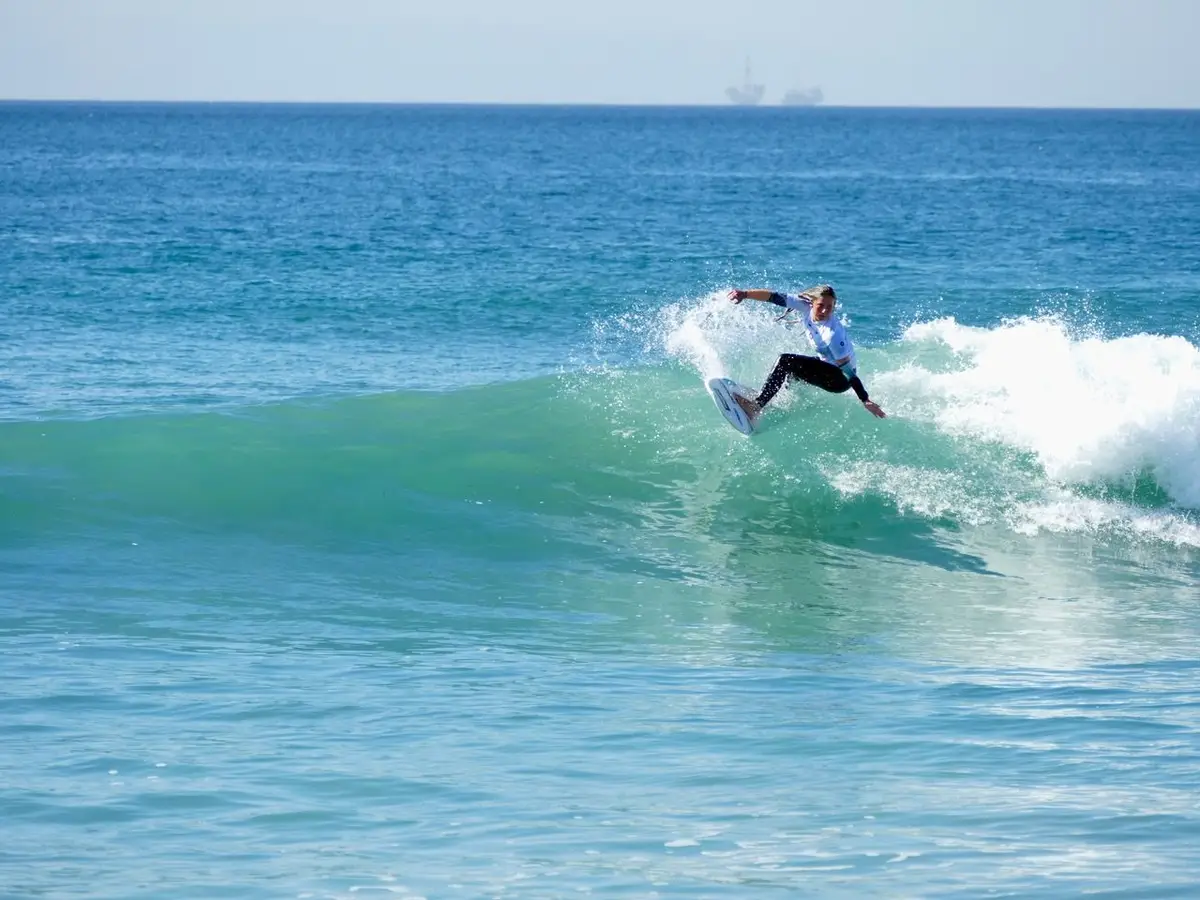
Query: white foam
(1069, 514)
(1090, 409)
(934, 493)
(928, 492)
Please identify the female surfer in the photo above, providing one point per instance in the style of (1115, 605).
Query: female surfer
(835, 371)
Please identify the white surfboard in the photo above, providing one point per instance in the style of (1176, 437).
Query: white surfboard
(722, 391)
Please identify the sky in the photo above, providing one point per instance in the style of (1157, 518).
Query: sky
(1039, 53)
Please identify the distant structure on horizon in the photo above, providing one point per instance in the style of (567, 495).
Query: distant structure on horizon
(749, 94)
(803, 97)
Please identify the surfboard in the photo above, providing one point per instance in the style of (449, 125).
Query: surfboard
(722, 390)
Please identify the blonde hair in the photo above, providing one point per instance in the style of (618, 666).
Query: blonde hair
(814, 293)
(818, 292)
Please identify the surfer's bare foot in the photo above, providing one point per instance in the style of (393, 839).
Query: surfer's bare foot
(748, 406)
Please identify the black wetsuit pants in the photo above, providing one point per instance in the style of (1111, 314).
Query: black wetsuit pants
(811, 370)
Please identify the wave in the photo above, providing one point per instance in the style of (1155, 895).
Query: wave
(1023, 426)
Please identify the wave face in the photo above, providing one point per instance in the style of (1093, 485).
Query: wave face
(1023, 425)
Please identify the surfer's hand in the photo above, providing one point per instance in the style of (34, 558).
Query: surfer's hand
(873, 409)
(736, 296)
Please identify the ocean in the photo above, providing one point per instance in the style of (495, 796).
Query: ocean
(366, 529)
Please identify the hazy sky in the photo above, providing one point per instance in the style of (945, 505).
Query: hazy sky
(862, 52)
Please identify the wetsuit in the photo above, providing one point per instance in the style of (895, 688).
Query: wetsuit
(830, 340)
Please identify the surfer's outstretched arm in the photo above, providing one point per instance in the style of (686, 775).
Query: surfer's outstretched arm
(870, 405)
(766, 296)
(860, 389)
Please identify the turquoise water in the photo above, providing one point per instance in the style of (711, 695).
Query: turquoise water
(365, 528)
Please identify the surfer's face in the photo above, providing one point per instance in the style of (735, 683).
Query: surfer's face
(822, 308)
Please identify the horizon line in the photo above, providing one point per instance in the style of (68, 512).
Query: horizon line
(560, 104)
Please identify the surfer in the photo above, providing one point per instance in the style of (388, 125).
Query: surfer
(835, 371)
